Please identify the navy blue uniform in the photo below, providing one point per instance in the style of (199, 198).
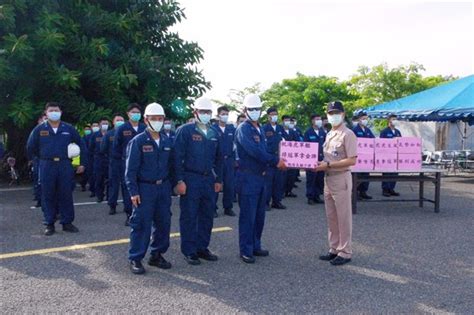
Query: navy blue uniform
(55, 168)
(148, 174)
(113, 184)
(170, 134)
(227, 152)
(36, 180)
(315, 180)
(87, 176)
(254, 160)
(363, 132)
(389, 133)
(122, 137)
(198, 163)
(100, 167)
(274, 177)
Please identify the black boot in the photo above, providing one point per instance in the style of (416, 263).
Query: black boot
(364, 195)
(229, 212)
(69, 227)
(113, 210)
(136, 267)
(49, 230)
(158, 261)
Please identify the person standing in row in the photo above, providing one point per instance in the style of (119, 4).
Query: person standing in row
(86, 139)
(166, 131)
(315, 180)
(340, 153)
(362, 131)
(226, 133)
(35, 168)
(100, 167)
(90, 161)
(122, 137)
(51, 143)
(149, 177)
(198, 167)
(388, 188)
(274, 177)
(250, 180)
(106, 148)
(289, 176)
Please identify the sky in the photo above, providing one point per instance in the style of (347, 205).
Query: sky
(249, 41)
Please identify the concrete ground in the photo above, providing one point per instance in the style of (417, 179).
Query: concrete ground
(406, 260)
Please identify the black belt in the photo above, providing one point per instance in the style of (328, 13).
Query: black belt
(55, 159)
(153, 182)
(199, 173)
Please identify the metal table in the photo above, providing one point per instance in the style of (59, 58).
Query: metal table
(421, 176)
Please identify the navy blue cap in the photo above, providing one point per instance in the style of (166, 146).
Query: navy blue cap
(336, 105)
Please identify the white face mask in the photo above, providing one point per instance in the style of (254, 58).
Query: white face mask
(155, 125)
(254, 115)
(95, 129)
(274, 118)
(53, 116)
(104, 127)
(204, 118)
(224, 118)
(394, 123)
(167, 126)
(291, 126)
(286, 124)
(335, 120)
(318, 123)
(364, 122)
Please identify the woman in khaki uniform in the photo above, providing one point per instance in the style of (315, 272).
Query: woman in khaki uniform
(340, 153)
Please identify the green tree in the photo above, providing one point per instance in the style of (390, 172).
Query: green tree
(236, 97)
(306, 95)
(93, 56)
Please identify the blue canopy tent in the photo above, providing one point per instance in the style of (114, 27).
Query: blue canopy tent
(451, 101)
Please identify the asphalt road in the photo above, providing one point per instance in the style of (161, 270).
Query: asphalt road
(406, 260)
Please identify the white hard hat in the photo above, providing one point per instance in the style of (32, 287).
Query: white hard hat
(252, 101)
(203, 103)
(73, 150)
(154, 109)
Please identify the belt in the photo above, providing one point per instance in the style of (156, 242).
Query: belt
(152, 182)
(199, 173)
(55, 159)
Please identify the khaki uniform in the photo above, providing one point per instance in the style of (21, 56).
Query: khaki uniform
(340, 144)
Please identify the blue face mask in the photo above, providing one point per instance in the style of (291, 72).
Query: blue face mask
(204, 118)
(87, 132)
(136, 117)
(54, 116)
(119, 123)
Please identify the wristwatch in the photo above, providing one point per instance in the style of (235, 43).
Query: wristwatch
(329, 164)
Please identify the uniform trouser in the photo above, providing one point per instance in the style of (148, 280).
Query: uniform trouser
(127, 202)
(91, 175)
(197, 213)
(100, 174)
(274, 181)
(291, 176)
(56, 192)
(389, 185)
(36, 181)
(114, 181)
(251, 191)
(85, 176)
(154, 210)
(228, 182)
(314, 184)
(337, 197)
(364, 186)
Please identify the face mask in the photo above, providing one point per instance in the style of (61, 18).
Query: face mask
(119, 123)
(95, 129)
(395, 123)
(204, 118)
(104, 127)
(286, 123)
(364, 122)
(254, 115)
(136, 116)
(54, 116)
(155, 125)
(87, 132)
(224, 118)
(335, 120)
(274, 118)
(167, 126)
(291, 126)
(318, 123)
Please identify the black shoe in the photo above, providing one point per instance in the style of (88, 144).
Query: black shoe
(92, 195)
(216, 215)
(311, 201)
(291, 195)
(192, 260)
(99, 200)
(229, 212)
(298, 180)
(364, 195)
(261, 253)
(127, 221)
(278, 205)
(318, 200)
(158, 261)
(38, 204)
(386, 193)
(49, 230)
(69, 227)
(338, 261)
(136, 267)
(394, 193)
(328, 257)
(247, 259)
(113, 210)
(268, 208)
(207, 255)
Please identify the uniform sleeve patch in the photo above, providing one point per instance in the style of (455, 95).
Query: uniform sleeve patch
(197, 138)
(147, 148)
(44, 133)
